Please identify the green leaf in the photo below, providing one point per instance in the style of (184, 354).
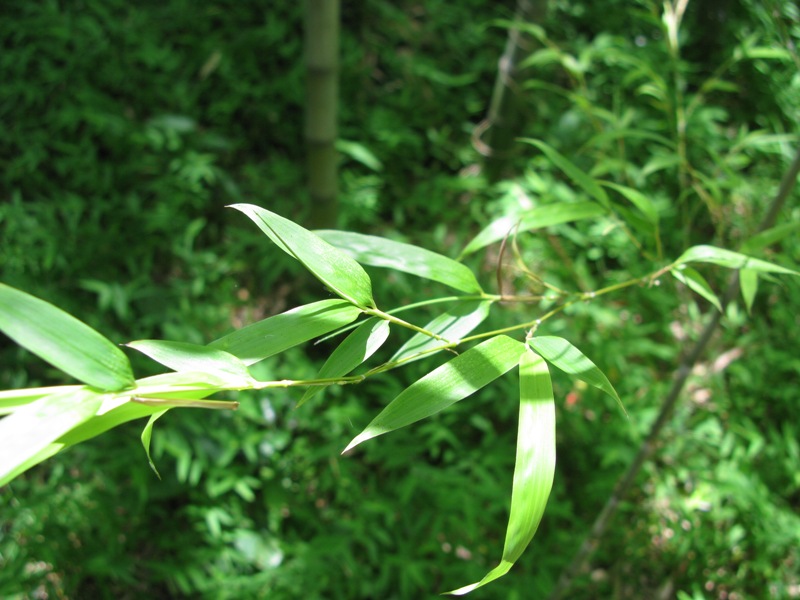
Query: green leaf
(563, 355)
(275, 334)
(354, 350)
(535, 464)
(732, 260)
(748, 283)
(147, 434)
(639, 200)
(335, 269)
(541, 216)
(26, 435)
(453, 381)
(180, 356)
(694, 281)
(359, 153)
(380, 252)
(589, 185)
(63, 341)
(11, 400)
(451, 325)
(769, 237)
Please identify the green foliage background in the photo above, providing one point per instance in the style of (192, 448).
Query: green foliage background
(127, 127)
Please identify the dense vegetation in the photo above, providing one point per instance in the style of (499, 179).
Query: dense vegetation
(129, 127)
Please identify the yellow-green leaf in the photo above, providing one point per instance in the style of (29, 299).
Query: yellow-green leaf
(748, 283)
(694, 281)
(180, 356)
(730, 259)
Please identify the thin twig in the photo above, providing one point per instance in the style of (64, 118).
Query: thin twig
(625, 482)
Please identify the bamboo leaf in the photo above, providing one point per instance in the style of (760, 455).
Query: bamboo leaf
(748, 283)
(451, 382)
(11, 400)
(27, 434)
(335, 269)
(769, 237)
(147, 434)
(275, 334)
(586, 183)
(180, 356)
(451, 325)
(694, 281)
(639, 200)
(380, 252)
(541, 216)
(730, 259)
(563, 355)
(534, 467)
(63, 341)
(354, 350)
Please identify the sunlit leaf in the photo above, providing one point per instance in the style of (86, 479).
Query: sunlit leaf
(730, 259)
(275, 334)
(563, 355)
(639, 200)
(11, 400)
(380, 252)
(452, 325)
(359, 153)
(147, 434)
(541, 216)
(534, 467)
(180, 356)
(694, 281)
(63, 341)
(31, 429)
(453, 381)
(339, 272)
(354, 350)
(589, 185)
(748, 283)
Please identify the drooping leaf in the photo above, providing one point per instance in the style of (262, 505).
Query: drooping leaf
(541, 216)
(452, 325)
(180, 356)
(354, 350)
(563, 355)
(147, 434)
(748, 283)
(730, 259)
(534, 467)
(589, 185)
(380, 252)
(451, 382)
(273, 335)
(638, 199)
(63, 341)
(694, 281)
(335, 269)
(31, 429)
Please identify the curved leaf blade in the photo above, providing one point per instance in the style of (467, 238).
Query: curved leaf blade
(63, 341)
(748, 284)
(694, 281)
(147, 435)
(446, 385)
(637, 198)
(332, 267)
(273, 335)
(541, 216)
(730, 259)
(181, 356)
(563, 355)
(354, 350)
(380, 252)
(535, 464)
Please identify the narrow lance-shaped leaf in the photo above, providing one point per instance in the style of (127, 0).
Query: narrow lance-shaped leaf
(11, 400)
(63, 341)
(335, 269)
(748, 283)
(770, 236)
(446, 385)
(541, 216)
(180, 356)
(589, 185)
(147, 434)
(354, 350)
(451, 325)
(534, 467)
(30, 430)
(563, 355)
(694, 281)
(730, 259)
(380, 252)
(638, 199)
(275, 334)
